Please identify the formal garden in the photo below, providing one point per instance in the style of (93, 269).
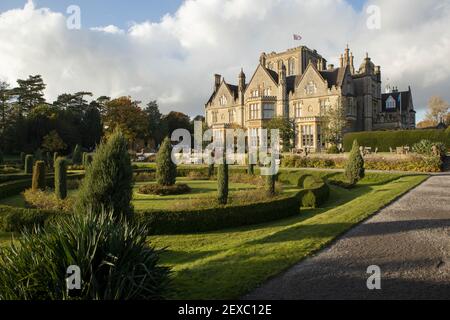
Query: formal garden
(158, 231)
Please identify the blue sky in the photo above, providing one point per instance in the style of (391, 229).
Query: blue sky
(117, 12)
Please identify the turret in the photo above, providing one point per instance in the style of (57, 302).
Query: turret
(262, 59)
(241, 86)
(282, 93)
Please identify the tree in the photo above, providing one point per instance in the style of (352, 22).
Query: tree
(437, 109)
(61, 178)
(166, 170)
(91, 127)
(426, 124)
(5, 110)
(333, 124)
(156, 129)
(30, 92)
(126, 115)
(108, 184)
(38, 181)
(222, 183)
(53, 142)
(354, 168)
(177, 120)
(286, 131)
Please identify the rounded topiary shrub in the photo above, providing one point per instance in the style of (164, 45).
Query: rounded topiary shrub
(354, 168)
(108, 183)
(29, 162)
(161, 190)
(38, 182)
(166, 170)
(114, 258)
(61, 178)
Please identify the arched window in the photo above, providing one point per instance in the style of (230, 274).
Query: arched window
(291, 67)
(310, 88)
(223, 100)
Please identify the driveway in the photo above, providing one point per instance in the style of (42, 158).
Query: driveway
(409, 240)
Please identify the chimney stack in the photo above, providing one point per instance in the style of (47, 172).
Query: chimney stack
(217, 81)
(331, 67)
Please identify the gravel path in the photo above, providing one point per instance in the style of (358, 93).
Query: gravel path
(409, 240)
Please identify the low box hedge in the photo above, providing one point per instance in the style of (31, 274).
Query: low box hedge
(195, 220)
(316, 194)
(13, 177)
(383, 140)
(14, 219)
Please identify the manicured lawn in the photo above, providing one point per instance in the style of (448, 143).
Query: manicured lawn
(229, 263)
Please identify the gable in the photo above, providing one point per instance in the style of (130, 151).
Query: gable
(223, 96)
(261, 79)
(311, 83)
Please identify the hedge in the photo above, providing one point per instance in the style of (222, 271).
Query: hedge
(383, 140)
(14, 219)
(13, 177)
(202, 220)
(317, 194)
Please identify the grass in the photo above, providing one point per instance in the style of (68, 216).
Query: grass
(230, 263)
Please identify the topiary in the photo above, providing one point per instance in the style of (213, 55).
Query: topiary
(210, 170)
(114, 258)
(354, 168)
(166, 170)
(222, 183)
(22, 159)
(38, 181)
(108, 183)
(77, 155)
(61, 178)
(270, 184)
(29, 162)
(55, 157)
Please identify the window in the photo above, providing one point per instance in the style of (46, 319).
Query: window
(223, 100)
(307, 135)
(268, 111)
(231, 116)
(255, 93)
(291, 67)
(254, 111)
(390, 103)
(298, 109)
(253, 137)
(214, 116)
(267, 92)
(310, 88)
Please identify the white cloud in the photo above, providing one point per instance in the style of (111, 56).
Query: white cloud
(109, 29)
(174, 60)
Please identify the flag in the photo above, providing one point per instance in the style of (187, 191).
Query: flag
(297, 37)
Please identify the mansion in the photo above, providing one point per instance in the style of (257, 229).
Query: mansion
(299, 85)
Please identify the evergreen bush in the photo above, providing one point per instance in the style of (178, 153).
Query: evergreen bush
(166, 170)
(77, 155)
(61, 178)
(108, 182)
(38, 181)
(354, 168)
(29, 162)
(222, 183)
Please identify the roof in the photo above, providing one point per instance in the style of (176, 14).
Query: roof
(334, 77)
(400, 96)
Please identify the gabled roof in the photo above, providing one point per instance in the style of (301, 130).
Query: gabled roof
(402, 97)
(272, 75)
(232, 89)
(334, 77)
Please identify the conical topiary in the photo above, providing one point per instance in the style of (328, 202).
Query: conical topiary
(222, 183)
(38, 182)
(108, 184)
(61, 178)
(354, 168)
(29, 162)
(166, 170)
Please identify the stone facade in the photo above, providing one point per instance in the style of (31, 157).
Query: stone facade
(298, 84)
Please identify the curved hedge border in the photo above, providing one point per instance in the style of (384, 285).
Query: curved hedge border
(14, 219)
(385, 139)
(195, 220)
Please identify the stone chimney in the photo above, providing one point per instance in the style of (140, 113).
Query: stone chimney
(217, 81)
(330, 67)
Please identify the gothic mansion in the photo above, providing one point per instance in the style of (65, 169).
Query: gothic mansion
(299, 85)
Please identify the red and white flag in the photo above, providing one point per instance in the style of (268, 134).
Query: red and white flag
(297, 37)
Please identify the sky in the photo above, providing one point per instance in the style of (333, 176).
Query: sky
(169, 50)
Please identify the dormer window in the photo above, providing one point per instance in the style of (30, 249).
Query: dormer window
(391, 103)
(223, 100)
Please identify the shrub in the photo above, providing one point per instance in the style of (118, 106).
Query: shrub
(22, 159)
(197, 175)
(428, 148)
(18, 219)
(333, 149)
(108, 181)
(383, 140)
(49, 160)
(144, 176)
(354, 169)
(195, 219)
(61, 178)
(161, 190)
(222, 183)
(47, 200)
(270, 184)
(29, 162)
(38, 180)
(115, 261)
(166, 170)
(77, 155)
(55, 157)
(315, 195)
(38, 155)
(211, 170)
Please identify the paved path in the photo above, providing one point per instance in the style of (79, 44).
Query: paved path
(409, 240)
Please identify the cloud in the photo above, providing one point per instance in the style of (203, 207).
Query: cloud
(173, 60)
